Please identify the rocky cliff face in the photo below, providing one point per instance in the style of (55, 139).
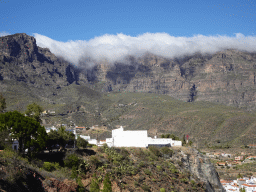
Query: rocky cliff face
(22, 60)
(201, 167)
(226, 77)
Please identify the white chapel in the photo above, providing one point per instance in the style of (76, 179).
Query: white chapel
(138, 138)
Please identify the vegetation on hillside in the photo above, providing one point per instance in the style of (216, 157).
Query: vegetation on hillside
(104, 168)
(26, 130)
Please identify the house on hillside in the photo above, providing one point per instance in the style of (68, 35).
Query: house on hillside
(226, 155)
(222, 164)
(251, 157)
(249, 187)
(48, 129)
(138, 138)
(239, 158)
(252, 145)
(216, 155)
(80, 128)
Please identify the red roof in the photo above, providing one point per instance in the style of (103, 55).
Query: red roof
(247, 185)
(225, 181)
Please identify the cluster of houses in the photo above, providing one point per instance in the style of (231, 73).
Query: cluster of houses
(249, 184)
(229, 163)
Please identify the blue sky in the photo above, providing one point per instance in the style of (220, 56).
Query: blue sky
(57, 23)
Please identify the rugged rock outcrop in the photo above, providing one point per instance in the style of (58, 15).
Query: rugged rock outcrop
(22, 60)
(201, 167)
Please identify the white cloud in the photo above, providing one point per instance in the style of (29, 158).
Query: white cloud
(4, 34)
(115, 47)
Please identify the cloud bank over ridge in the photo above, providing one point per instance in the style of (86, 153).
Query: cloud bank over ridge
(116, 47)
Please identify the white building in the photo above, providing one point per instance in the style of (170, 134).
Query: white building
(85, 137)
(50, 128)
(249, 184)
(139, 138)
(93, 141)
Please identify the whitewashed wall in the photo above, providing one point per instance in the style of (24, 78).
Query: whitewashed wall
(109, 142)
(159, 141)
(85, 137)
(92, 141)
(130, 139)
(176, 143)
(121, 138)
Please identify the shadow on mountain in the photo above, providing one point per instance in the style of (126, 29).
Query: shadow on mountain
(72, 74)
(123, 73)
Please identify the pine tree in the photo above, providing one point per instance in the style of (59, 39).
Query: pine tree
(107, 184)
(94, 187)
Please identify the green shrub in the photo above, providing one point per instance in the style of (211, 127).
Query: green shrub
(184, 180)
(74, 173)
(162, 190)
(193, 183)
(155, 151)
(91, 145)
(159, 168)
(166, 151)
(48, 166)
(136, 184)
(147, 172)
(141, 164)
(145, 187)
(107, 184)
(81, 142)
(95, 161)
(174, 170)
(94, 187)
(124, 152)
(80, 185)
(72, 160)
